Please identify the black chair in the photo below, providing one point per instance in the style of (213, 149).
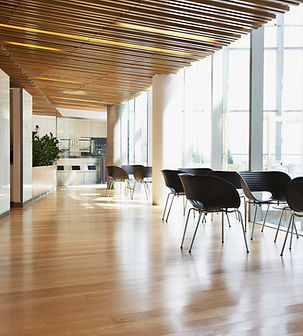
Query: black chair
(208, 194)
(116, 174)
(196, 171)
(143, 175)
(173, 183)
(274, 182)
(294, 197)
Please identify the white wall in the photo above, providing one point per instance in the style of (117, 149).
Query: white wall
(77, 128)
(46, 124)
(167, 128)
(4, 144)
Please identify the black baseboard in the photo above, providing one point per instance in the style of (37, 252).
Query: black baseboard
(22, 205)
(5, 214)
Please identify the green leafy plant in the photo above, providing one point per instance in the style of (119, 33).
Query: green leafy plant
(45, 149)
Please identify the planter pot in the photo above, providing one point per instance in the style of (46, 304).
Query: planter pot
(44, 179)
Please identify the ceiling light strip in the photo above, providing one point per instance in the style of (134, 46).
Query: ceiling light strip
(89, 39)
(165, 32)
(76, 99)
(58, 80)
(32, 46)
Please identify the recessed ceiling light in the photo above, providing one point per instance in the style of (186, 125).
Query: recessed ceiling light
(165, 32)
(90, 39)
(77, 99)
(32, 46)
(76, 92)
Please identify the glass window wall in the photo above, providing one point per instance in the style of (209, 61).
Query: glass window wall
(283, 99)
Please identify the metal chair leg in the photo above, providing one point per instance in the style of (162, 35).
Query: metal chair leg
(278, 227)
(184, 204)
(243, 230)
(172, 200)
(228, 219)
(292, 232)
(296, 231)
(245, 214)
(285, 239)
(111, 183)
(196, 229)
(265, 218)
(185, 228)
(165, 206)
(145, 190)
(254, 223)
(222, 227)
(132, 190)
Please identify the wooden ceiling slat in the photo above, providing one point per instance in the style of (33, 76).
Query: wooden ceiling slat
(113, 73)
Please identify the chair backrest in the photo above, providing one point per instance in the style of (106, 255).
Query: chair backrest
(196, 171)
(294, 194)
(141, 172)
(116, 173)
(231, 176)
(274, 182)
(172, 180)
(209, 192)
(130, 168)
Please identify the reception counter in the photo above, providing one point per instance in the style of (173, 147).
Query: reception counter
(76, 171)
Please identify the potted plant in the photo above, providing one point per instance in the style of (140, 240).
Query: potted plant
(45, 154)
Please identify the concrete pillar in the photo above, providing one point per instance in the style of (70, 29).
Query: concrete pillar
(167, 129)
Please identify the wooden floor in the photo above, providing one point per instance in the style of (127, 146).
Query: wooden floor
(76, 263)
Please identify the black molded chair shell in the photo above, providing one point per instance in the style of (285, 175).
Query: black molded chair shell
(130, 168)
(231, 176)
(210, 193)
(116, 173)
(172, 180)
(141, 173)
(196, 171)
(274, 182)
(294, 194)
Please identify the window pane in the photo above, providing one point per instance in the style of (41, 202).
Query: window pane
(238, 80)
(270, 71)
(236, 129)
(131, 132)
(141, 129)
(197, 114)
(292, 96)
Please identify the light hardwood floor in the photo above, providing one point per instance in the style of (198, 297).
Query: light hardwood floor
(76, 263)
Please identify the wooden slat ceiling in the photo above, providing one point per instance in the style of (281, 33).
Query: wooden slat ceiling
(106, 52)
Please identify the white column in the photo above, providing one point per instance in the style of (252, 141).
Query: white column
(4, 145)
(114, 153)
(256, 99)
(21, 115)
(167, 129)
